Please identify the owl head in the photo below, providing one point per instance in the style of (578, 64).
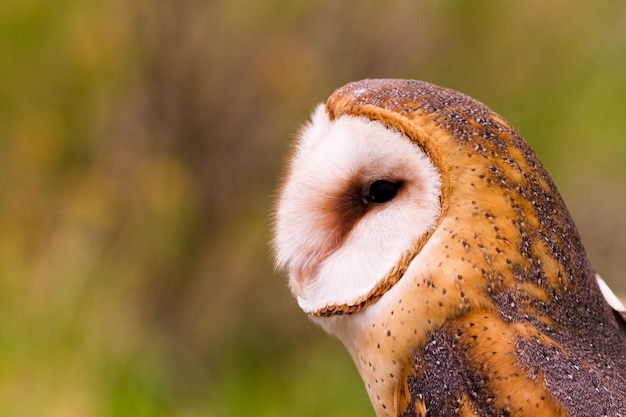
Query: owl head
(408, 208)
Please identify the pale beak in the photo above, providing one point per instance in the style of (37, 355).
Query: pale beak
(298, 278)
(296, 288)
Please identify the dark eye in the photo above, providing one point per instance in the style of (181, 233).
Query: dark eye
(381, 191)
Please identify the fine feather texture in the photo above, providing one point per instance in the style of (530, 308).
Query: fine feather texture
(335, 245)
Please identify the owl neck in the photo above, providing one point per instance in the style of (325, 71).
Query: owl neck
(383, 338)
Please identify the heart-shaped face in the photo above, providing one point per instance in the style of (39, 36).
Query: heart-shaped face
(356, 198)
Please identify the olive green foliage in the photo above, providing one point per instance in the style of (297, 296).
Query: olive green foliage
(141, 144)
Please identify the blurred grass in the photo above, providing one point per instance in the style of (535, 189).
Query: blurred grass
(141, 143)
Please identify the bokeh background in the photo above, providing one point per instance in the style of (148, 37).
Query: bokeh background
(141, 143)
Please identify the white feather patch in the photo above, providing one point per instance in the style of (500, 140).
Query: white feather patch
(330, 155)
(609, 295)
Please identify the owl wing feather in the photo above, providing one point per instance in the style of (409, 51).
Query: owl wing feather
(613, 300)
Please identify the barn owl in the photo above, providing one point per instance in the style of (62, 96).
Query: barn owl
(419, 228)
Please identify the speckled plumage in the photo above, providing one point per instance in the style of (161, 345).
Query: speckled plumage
(495, 311)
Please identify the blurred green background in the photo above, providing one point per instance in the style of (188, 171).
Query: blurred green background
(140, 146)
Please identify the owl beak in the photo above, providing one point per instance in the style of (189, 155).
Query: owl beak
(299, 277)
(297, 289)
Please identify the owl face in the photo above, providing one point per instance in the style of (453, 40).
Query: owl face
(356, 196)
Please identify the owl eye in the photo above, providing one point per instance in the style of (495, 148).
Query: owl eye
(381, 191)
